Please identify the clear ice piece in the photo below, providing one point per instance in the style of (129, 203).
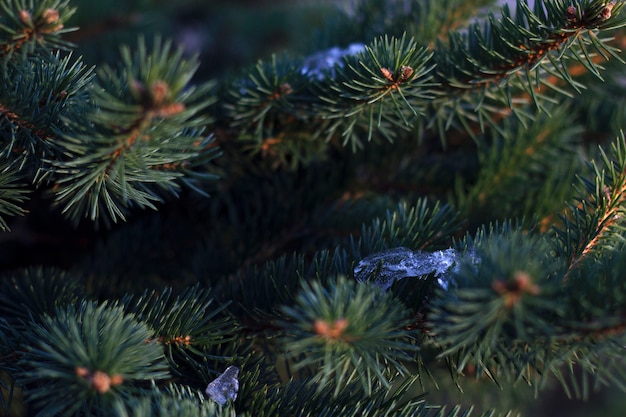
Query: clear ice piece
(224, 387)
(315, 65)
(394, 264)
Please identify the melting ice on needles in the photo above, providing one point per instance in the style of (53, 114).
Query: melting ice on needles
(398, 263)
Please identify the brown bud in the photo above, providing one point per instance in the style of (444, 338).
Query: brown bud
(52, 29)
(160, 92)
(26, 17)
(286, 89)
(50, 16)
(330, 330)
(116, 380)
(170, 110)
(571, 13)
(606, 12)
(387, 74)
(406, 72)
(101, 382)
(513, 290)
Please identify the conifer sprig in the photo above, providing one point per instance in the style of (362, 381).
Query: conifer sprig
(28, 24)
(499, 303)
(379, 90)
(271, 93)
(35, 93)
(187, 326)
(485, 69)
(146, 130)
(595, 221)
(350, 332)
(12, 195)
(86, 358)
(419, 226)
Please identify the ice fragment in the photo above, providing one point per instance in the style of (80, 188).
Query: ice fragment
(394, 264)
(224, 387)
(315, 65)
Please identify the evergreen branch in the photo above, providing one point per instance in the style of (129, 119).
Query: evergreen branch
(481, 70)
(298, 398)
(162, 404)
(145, 132)
(11, 196)
(382, 88)
(362, 340)
(269, 97)
(87, 357)
(421, 226)
(425, 21)
(595, 221)
(188, 326)
(517, 155)
(26, 25)
(36, 92)
(504, 46)
(499, 306)
(28, 295)
(8, 360)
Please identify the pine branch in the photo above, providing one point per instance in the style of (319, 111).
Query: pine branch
(517, 171)
(420, 226)
(12, 195)
(363, 340)
(485, 70)
(476, 77)
(26, 26)
(84, 352)
(30, 294)
(424, 21)
(146, 132)
(188, 326)
(500, 303)
(594, 222)
(36, 93)
(380, 89)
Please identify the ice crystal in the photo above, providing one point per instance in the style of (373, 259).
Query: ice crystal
(224, 387)
(315, 65)
(386, 267)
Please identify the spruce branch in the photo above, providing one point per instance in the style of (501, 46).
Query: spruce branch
(426, 21)
(27, 295)
(36, 92)
(365, 339)
(188, 326)
(12, 195)
(498, 315)
(86, 359)
(8, 358)
(26, 25)
(147, 129)
(378, 90)
(485, 70)
(162, 404)
(594, 222)
(517, 173)
(269, 94)
(420, 226)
